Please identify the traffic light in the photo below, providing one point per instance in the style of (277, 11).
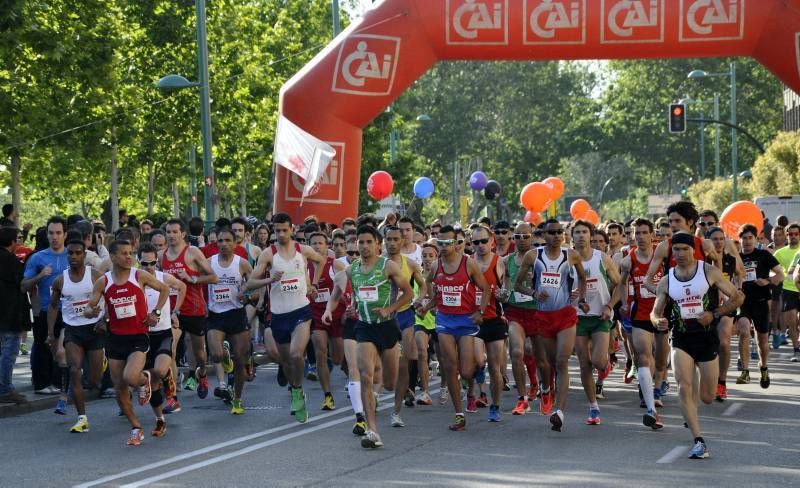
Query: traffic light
(677, 118)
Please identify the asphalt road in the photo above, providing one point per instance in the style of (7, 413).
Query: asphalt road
(754, 440)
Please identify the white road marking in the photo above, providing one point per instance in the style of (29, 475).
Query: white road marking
(672, 456)
(732, 409)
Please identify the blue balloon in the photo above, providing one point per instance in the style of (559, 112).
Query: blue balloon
(478, 181)
(423, 187)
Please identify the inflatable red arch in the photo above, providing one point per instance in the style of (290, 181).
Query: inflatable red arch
(374, 60)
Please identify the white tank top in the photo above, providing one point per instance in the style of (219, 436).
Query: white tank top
(690, 296)
(224, 295)
(553, 276)
(288, 293)
(597, 290)
(415, 256)
(75, 297)
(165, 321)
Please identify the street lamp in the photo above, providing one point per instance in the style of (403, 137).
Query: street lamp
(176, 82)
(689, 101)
(697, 74)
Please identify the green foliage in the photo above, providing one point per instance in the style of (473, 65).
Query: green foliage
(777, 172)
(717, 194)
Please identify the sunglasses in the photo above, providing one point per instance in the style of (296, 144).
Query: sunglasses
(522, 236)
(503, 231)
(352, 253)
(301, 240)
(555, 232)
(148, 264)
(272, 241)
(444, 242)
(702, 224)
(460, 241)
(338, 244)
(480, 241)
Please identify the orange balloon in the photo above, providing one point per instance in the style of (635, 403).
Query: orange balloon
(535, 196)
(579, 208)
(739, 213)
(591, 216)
(534, 218)
(556, 186)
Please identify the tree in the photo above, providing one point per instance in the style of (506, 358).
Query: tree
(777, 172)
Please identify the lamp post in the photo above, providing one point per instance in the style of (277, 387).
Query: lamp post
(177, 82)
(696, 74)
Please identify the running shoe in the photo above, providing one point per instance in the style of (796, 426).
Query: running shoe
(145, 389)
(282, 380)
(327, 402)
(172, 406)
(534, 392)
(482, 401)
(227, 362)
(744, 378)
(594, 417)
(657, 398)
(360, 427)
(699, 451)
(443, 396)
(81, 426)
(522, 407)
(653, 420)
(598, 390)
(776, 340)
(136, 437)
(722, 393)
(408, 400)
(764, 382)
(603, 374)
(395, 420)
(227, 394)
(299, 405)
(494, 413)
(23, 348)
(632, 374)
(472, 405)
(784, 341)
(237, 408)
(753, 352)
(202, 387)
(160, 429)
(251, 369)
(795, 356)
(371, 440)
(546, 402)
(61, 407)
(613, 359)
(738, 364)
(555, 422)
(169, 385)
(218, 391)
(664, 388)
(311, 372)
(425, 399)
(459, 424)
(191, 383)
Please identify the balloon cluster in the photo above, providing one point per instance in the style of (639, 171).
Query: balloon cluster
(581, 210)
(478, 181)
(538, 196)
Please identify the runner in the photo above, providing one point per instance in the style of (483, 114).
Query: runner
(70, 295)
(424, 333)
(127, 342)
(689, 293)
(502, 235)
(616, 235)
(788, 258)
(375, 281)
(453, 281)
(555, 317)
(637, 306)
(163, 336)
(188, 264)
(754, 312)
(594, 321)
(289, 293)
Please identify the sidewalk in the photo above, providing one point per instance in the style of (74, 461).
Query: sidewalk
(21, 380)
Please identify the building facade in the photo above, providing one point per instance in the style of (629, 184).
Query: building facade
(791, 110)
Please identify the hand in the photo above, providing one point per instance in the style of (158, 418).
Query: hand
(91, 312)
(384, 312)
(327, 317)
(762, 282)
(662, 324)
(502, 294)
(242, 298)
(477, 317)
(276, 276)
(100, 327)
(151, 319)
(312, 293)
(541, 296)
(706, 318)
(174, 320)
(50, 341)
(573, 295)
(624, 311)
(607, 314)
(184, 276)
(46, 271)
(584, 307)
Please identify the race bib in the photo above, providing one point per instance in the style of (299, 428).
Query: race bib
(691, 310)
(222, 295)
(478, 297)
(125, 311)
(592, 286)
(323, 295)
(551, 280)
(290, 285)
(645, 293)
(80, 307)
(173, 292)
(451, 299)
(522, 298)
(750, 273)
(368, 294)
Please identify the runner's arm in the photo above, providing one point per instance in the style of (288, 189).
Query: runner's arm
(339, 285)
(480, 281)
(576, 261)
(179, 285)
(93, 308)
(735, 296)
(263, 264)
(416, 275)
(55, 303)
(657, 314)
(207, 275)
(519, 284)
(712, 256)
(310, 253)
(432, 293)
(660, 254)
(392, 271)
(624, 273)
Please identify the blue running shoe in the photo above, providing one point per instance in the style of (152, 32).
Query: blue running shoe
(594, 417)
(776, 340)
(699, 451)
(784, 341)
(664, 388)
(480, 376)
(494, 413)
(61, 407)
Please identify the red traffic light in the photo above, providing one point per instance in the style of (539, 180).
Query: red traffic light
(677, 111)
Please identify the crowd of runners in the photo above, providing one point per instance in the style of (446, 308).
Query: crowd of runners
(151, 312)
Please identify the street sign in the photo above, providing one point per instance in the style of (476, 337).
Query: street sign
(657, 204)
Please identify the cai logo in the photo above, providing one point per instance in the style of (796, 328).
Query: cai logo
(366, 65)
(328, 189)
(632, 21)
(477, 22)
(712, 20)
(554, 22)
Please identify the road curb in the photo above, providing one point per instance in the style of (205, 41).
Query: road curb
(38, 403)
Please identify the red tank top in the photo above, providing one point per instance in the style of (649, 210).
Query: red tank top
(642, 300)
(126, 305)
(324, 291)
(194, 304)
(455, 293)
(699, 251)
(494, 283)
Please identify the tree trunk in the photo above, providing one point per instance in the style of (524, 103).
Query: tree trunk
(243, 193)
(15, 184)
(151, 187)
(176, 204)
(114, 197)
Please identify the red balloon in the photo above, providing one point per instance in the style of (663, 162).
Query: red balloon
(380, 185)
(591, 216)
(556, 186)
(579, 208)
(535, 196)
(739, 213)
(534, 218)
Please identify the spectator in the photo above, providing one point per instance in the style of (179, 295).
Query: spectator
(9, 216)
(14, 313)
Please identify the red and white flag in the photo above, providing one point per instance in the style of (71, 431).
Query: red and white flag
(301, 153)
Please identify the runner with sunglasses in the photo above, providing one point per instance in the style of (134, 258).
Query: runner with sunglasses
(503, 238)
